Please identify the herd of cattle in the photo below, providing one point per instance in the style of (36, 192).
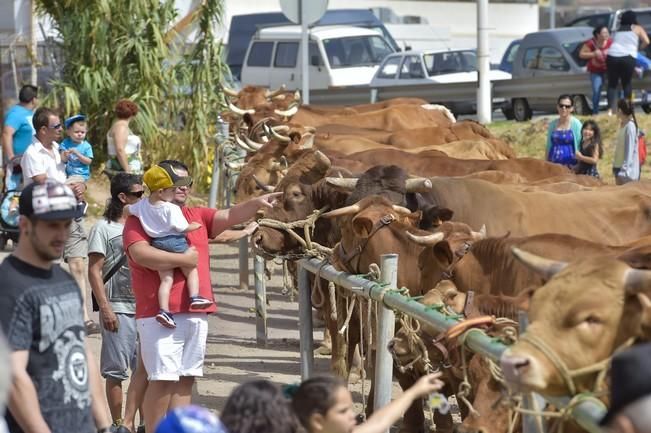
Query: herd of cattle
(475, 227)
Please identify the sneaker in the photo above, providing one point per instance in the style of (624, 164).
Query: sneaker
(199, 302)
(166, 319)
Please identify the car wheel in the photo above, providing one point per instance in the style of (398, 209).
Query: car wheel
(646, 108)
(521, 110)
(508, 113)
(581, 106)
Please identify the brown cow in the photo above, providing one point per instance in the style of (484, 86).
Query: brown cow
(393, 118)
(430, 163)
(489, 267)
(588, 309)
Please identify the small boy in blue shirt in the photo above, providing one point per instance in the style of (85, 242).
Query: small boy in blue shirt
(76, 152)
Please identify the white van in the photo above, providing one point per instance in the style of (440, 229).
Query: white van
(339, 56)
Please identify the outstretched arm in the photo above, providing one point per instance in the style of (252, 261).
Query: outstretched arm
(242, 212)
(385, 417)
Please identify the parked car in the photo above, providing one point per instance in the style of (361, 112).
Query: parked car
(339, 56)
(243, 28)
(545, 53)
(506, 64)
(424, 66)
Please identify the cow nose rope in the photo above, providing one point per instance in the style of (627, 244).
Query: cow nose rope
(567, 374)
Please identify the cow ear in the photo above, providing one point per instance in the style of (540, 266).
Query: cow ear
(443, 252)
(362, 226)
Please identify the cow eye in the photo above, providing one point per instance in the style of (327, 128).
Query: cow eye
(592, 320)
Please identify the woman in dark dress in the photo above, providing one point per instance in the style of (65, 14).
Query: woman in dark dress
(590, 149)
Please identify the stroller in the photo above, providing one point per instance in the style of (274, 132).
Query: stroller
(9, 203)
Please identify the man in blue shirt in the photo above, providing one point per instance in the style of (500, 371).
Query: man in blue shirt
(18, 131)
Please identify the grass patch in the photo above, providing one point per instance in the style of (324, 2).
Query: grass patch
(529, 139)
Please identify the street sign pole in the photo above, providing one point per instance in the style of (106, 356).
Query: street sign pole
(305, 66)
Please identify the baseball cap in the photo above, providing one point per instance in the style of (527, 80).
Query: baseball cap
(162, 176)
(190, 419)
(49, 201)
(76, 118)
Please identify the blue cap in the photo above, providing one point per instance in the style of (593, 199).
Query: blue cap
(190, 419)
(76, 118)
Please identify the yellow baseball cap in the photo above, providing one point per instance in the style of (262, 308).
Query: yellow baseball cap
(163, 176)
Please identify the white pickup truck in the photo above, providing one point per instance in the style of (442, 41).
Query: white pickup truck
(339, 56)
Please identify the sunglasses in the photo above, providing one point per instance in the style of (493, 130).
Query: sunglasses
(136, 194)
(57, 126)
(186, 186)
(564, 106)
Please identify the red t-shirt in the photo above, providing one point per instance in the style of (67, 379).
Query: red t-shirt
(145, 281)
(596, 65)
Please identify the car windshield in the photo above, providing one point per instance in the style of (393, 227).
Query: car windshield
(356, 51)
(573, 48)
(449, 62)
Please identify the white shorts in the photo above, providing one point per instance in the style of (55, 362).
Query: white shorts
(171, 353)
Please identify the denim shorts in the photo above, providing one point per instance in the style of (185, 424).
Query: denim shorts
(172, 243)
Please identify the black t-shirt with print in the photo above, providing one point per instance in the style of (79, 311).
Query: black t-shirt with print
(41, 311)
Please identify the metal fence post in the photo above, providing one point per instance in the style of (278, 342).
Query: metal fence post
(386, 328)
(220, 137)
(243, 255)
(260, 302)
(530, 423)
(305, 323)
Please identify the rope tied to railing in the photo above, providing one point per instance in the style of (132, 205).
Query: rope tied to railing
(310, 248)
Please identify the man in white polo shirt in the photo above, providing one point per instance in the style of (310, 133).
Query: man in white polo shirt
(42, 161)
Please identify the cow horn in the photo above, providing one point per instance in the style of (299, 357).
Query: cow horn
(348, 183)
(281, 128)
(253, 144)
(309, 141)
(270, 94)
(242, 144)
(432, 239)
(481, 234)
(418, 184)
(230, 92)
(347, 210)
(310, 129)
(637, 280)
(287, 113)
(280, 137)
(297, 96)
(235, 165)
(546, 267)
(239, 111)
(263, 186)
(401, 209)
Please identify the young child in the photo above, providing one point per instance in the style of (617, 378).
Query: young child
(167, 226)
(324, 405)
(76, 152)
(590, 149)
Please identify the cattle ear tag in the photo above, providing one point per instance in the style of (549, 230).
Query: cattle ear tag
(438, 401)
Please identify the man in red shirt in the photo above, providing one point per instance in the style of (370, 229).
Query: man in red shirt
(595, 51)
(174, 357)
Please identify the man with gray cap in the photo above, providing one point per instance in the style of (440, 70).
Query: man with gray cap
(630, 392)
(56, 386)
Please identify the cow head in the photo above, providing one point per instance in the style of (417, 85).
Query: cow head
(264, 170)
(443, 251)
(586, 311)
(305, 191)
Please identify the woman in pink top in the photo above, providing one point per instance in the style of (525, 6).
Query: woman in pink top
(595, 51)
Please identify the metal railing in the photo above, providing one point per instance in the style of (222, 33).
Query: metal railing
(586, 413)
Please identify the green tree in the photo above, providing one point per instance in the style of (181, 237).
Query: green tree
(117, 49)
